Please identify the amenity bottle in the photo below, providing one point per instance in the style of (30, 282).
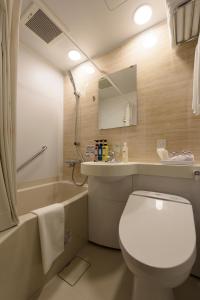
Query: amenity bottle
(100, 150)
(96, 150)
(125, 153)
(105, 151)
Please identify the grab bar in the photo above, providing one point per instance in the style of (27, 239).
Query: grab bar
(44, 148)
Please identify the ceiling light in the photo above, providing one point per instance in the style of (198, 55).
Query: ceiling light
(74, 55)
(89, 69)
(143, 14)
(149, 40)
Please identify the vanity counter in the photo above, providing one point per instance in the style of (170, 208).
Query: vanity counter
(138, 168)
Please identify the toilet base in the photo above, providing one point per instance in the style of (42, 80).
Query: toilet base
(144, 289)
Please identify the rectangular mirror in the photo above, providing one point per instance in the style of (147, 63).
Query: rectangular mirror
(118, 99)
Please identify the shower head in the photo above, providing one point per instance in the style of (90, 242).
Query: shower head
(73, 84)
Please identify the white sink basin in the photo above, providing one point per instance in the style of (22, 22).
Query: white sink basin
(108, 169)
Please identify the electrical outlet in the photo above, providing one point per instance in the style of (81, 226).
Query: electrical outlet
(161, 143)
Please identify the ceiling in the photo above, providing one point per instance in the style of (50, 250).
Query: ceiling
(97, 27)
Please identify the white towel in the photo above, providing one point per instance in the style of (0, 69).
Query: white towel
(196, 81)
(51, 228)
(171, 6)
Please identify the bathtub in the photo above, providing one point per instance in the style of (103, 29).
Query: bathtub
(21, 272)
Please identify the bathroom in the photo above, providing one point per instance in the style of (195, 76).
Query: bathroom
(99, 150)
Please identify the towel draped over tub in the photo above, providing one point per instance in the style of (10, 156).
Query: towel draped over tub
(51, 222)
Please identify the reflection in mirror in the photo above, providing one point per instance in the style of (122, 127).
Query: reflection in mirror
(118, 106)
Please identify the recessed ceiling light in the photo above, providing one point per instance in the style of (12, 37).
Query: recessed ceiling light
(142, 14)
(74, 55)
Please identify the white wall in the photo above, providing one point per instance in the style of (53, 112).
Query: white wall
(39, 116)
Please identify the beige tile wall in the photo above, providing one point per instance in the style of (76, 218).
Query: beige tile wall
(164, 99)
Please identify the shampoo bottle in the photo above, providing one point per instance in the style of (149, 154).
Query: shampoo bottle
(96, 150)
(100, 150)
(105, 151)
(125, 153)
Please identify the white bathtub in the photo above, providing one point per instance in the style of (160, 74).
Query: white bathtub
(39, 196)
(21, 273)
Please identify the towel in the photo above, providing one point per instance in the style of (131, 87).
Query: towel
(51, 228)
(196, 81)
(171, 6)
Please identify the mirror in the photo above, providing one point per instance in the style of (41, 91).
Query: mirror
(118, 99)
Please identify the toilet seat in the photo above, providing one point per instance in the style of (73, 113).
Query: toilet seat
(157, 232)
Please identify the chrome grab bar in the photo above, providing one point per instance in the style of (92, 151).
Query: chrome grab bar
(44, 148)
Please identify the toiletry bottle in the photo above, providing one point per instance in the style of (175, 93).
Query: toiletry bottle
(165, 154)
(92, 152)
(96, 150)
(125, 153)
(104, 150)
(100, 148)
(87, 153)
(162, 153)
(117, 148)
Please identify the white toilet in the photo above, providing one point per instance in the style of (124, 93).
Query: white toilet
(158, 243)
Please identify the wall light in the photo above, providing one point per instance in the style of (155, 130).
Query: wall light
(149, 40)
(74, 55)
(142, 14)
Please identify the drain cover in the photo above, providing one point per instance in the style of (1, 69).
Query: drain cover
(74, 271)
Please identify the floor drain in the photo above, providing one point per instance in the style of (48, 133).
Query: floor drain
(74, 271)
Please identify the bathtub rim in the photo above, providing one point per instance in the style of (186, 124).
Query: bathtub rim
(29, 216)
(49, 183)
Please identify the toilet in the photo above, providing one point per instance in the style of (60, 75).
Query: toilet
(158, 242)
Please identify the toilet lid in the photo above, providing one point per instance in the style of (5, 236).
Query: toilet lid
(158, 233)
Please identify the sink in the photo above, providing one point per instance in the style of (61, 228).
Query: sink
(111, 169)
(109, 186)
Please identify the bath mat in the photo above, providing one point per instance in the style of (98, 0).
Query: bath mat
(74, 271)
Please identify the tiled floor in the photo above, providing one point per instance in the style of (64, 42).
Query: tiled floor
(106, 279)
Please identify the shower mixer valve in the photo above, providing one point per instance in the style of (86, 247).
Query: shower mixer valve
(72, 162)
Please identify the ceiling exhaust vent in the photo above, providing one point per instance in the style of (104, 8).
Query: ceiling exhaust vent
(42, 25)
(104, 83)
(114, 4)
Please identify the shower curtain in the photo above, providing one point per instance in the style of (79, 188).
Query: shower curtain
(9, 36)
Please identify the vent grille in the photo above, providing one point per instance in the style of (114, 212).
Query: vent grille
(187, 21)
(104, 83)
(41, 25)
(114, 4)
